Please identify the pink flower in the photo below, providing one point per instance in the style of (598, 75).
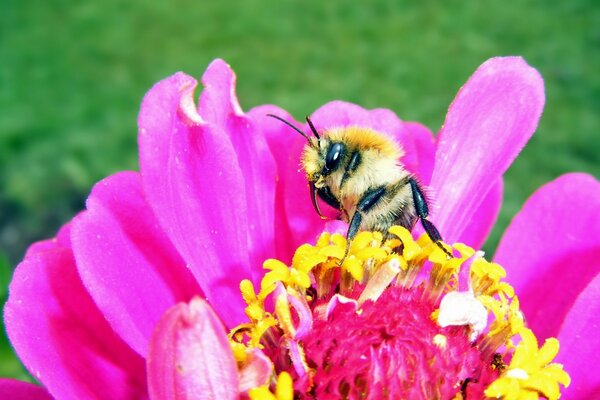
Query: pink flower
(109, 309)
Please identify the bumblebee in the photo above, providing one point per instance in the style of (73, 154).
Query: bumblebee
(357, 171)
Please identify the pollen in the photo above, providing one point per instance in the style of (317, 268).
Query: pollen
(395, 318)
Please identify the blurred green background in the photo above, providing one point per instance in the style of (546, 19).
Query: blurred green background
(73, 73)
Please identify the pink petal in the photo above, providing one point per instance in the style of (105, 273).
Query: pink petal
(292, 195)
(580, 342)
(126, 261)
(190, 357)
(484, 217)
(61, 336)
(551, 248)
(493, 116)
(280, 139)
(305, 224)
(196, 188)
(424, 151)
(219, 105)
(11, 389)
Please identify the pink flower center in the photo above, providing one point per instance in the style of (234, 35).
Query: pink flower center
(391, 349)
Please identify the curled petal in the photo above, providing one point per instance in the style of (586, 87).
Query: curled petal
(186, 165)
(550, 258)
(61, 336)
(126, 261)
(17, 390)
(493, 116)
(219, 105)
(190, 357)
(579, 344)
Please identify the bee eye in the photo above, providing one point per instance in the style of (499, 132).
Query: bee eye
(334, 156)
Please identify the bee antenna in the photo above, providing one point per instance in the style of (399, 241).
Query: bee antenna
(312, 128)
(290, 125)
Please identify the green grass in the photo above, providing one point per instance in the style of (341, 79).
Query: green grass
(72, 75)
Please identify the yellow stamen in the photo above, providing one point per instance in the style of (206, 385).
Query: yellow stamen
(445, 269)
(530, 372)
(284, 315)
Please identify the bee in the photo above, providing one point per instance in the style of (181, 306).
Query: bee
(358, 171)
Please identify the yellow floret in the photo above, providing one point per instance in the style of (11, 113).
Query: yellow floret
(530, 373)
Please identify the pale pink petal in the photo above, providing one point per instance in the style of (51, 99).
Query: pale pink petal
(280, 139)
(580, 344)
(219, 105)
(257, 370)
(196, 188)
(493, 116)
(190, 357)
(126, 261)
(551, 250)
(339, 302)
(11, 389)
(61, 336)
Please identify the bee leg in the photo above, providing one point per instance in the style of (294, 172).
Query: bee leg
(422, 211)
(325, 194)
(366, 202)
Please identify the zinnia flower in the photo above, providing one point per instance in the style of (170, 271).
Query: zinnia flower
(158, 290)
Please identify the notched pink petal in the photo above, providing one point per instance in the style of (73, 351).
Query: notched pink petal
(579, 344)
(190, 357)
(126, 261)
(193, 181)
(492, 117)
(61, 336)
(11, 389)
(550, 257)
(219, 106)
(218, 100)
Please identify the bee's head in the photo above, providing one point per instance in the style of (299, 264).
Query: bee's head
(322, 160)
